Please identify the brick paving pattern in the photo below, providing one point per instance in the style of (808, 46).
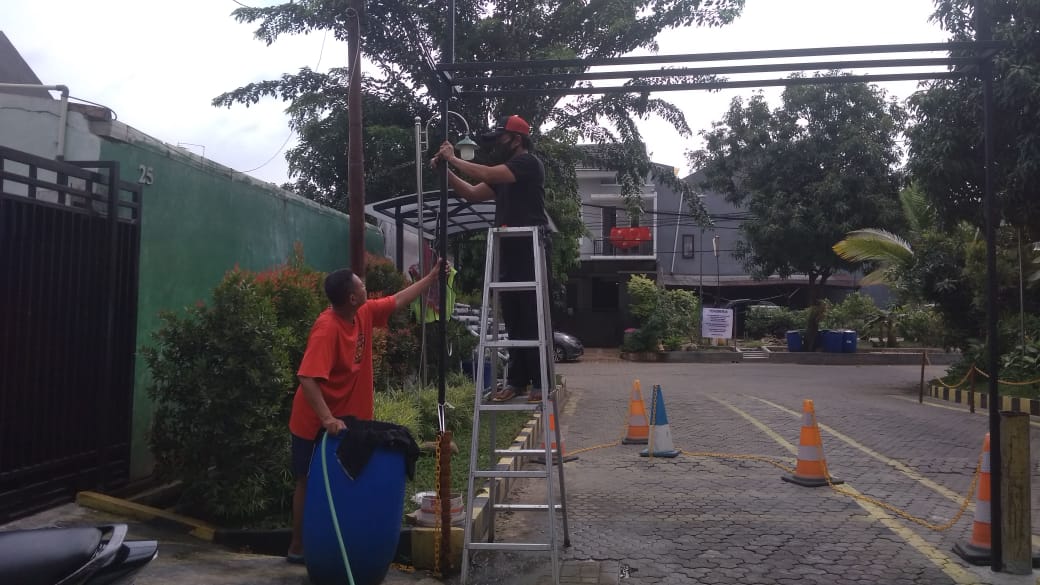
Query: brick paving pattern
(693, 520)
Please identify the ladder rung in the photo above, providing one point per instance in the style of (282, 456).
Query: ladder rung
(512, 406)
(513, 232)
(517, 285)
(534, 546)
(513, 343)
(526, 507)
(490, 473)
(522, 452)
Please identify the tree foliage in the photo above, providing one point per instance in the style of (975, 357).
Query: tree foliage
(945, 153)
(403, 40)
(809, 171)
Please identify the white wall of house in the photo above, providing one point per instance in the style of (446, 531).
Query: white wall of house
(31, 124)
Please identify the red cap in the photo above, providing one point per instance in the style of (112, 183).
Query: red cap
(509, 124)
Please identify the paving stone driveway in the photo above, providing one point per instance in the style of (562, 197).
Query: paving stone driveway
(700, 519)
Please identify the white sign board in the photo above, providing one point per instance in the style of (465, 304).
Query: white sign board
(717, 323)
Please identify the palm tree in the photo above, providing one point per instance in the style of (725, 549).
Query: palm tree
(889, 252)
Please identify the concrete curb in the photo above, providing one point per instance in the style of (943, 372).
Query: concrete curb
(886, 358)
(1029, 406)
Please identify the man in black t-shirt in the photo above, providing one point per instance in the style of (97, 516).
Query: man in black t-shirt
(515, 179)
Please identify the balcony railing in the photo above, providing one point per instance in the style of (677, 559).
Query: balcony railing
(603, 247)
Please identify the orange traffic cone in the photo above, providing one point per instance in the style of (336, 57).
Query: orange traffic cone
(638, 424)
(977, 550)
(811, 470)
(553, 429)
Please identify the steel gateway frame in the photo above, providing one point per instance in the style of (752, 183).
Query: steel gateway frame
(557, 78)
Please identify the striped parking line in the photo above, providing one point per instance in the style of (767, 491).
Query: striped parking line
(940, 559)
(939, 489)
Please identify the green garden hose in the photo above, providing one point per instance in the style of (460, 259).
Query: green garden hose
(332, 508)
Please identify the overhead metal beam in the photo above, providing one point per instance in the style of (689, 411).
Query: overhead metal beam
(708, 85)
(727, 56)
(505, 80)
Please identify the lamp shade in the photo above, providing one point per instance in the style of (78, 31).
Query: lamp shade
(467, 148)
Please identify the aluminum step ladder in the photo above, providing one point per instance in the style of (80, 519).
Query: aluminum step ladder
(490, 342)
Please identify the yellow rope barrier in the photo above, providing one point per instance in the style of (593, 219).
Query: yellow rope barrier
(1005, 382)
(958, 384)
(906, 515)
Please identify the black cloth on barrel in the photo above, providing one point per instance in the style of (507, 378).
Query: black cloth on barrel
(363, 437)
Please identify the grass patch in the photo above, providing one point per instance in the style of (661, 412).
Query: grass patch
(509, 425)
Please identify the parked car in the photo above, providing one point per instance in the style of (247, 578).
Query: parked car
(566, 347)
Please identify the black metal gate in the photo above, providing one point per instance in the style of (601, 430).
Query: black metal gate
(69, 242)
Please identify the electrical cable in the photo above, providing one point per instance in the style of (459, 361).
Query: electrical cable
(321, 53)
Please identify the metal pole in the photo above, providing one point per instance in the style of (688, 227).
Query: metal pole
(718, 272)
(421, 218)
(445, 468)
(1021, 292)
(984, 32)
(355, 155)
(678, 221)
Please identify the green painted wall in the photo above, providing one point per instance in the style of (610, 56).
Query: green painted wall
(200, 220)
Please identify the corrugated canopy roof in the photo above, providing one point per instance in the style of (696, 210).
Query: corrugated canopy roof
(463, 216)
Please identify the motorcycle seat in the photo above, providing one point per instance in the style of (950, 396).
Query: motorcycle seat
(46, 556)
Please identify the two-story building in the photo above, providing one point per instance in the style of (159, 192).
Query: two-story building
(666, 244)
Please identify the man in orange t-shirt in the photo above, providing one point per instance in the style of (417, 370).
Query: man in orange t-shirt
(336, 373)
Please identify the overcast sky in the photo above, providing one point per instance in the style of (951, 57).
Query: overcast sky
(159, 64)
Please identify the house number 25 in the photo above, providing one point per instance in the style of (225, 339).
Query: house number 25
(147, 176)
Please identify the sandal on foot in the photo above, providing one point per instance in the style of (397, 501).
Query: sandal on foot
(294, 559)
(504, 395)
(535, 396)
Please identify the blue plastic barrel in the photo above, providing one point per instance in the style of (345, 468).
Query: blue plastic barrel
(794, 340)
(369, 510)
(833, 341)
(849, 339)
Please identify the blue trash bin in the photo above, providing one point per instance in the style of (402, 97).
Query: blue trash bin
(794, 340)
(833, 341)
(849, 339)
(470, 368)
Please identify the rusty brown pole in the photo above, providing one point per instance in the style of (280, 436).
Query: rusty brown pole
(355, 154)
(920, 395)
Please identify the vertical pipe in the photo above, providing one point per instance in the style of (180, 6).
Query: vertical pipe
(984, 32)
(920, 395)
(355, 154)
(420, 215)
(105, 395)
(63, 118)
(445, 481)
(399, 242)
(1021, 291)
(675, 243)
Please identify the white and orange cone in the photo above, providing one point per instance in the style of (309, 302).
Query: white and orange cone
(811, 470)
(557, 449)
(638, 432)
(977, 551)
(660, 444)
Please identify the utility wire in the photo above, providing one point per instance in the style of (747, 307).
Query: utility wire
(321, 53)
